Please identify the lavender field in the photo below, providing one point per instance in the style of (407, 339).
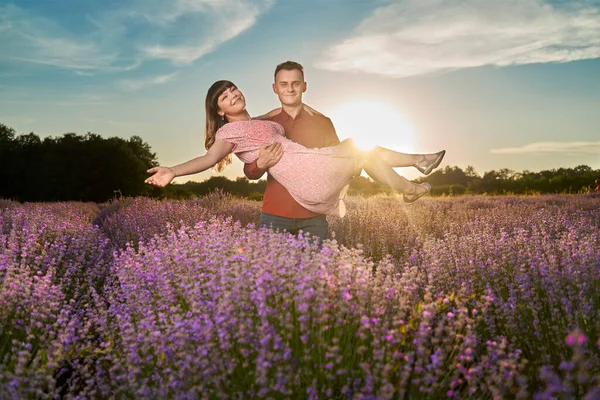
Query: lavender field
(467, 297)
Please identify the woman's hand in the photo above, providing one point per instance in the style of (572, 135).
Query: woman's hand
(162, 176)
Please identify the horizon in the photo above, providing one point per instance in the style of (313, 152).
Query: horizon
(498, 85)
(183, 180)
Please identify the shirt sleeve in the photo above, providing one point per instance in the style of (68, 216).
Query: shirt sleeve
(252, 171)
(228, 134)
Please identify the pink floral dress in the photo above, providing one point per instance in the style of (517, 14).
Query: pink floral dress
(316, 178)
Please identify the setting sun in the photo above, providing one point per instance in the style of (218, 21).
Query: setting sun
(372, 123)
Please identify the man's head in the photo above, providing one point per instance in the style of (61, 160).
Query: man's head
(289, 83)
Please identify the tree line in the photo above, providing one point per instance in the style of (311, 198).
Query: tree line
(92, 168)
(453, 180)
(72, 167)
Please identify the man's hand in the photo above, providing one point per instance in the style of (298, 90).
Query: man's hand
(269, 155)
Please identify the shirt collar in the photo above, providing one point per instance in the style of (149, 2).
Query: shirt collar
(288, 117)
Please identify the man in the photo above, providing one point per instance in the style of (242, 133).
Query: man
(302, 125)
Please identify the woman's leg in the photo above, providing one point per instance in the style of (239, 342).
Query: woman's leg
(397, 159)
(394, 158)
(381, 171)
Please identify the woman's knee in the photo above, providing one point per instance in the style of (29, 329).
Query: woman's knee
(373, 156)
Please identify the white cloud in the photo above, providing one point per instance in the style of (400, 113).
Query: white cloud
(66, 53)
(178, 55)
(220, 22)
(125, 37)
(130, 85)
(416, 37)
(39, 40)
(552, 147)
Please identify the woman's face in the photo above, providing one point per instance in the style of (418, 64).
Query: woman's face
(231, 102)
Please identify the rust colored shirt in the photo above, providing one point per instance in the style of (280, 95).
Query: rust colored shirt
(311, 131)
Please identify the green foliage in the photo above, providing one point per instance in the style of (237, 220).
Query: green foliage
(454, 181)
(241, 187)
(72, 167)
(361, 186)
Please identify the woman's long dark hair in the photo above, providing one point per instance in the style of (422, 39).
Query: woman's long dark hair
(213, 120)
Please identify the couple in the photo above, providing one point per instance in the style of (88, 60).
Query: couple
(308, 168)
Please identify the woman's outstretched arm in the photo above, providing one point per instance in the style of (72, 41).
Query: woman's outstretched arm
(164, 175)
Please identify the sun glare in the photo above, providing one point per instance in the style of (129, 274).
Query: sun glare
(372, 123)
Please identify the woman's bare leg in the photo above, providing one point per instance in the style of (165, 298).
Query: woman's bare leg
(397, 159)
(381, 171)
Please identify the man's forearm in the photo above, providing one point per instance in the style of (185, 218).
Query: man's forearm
(252, 171)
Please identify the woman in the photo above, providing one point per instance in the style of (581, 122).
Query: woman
(317, 178)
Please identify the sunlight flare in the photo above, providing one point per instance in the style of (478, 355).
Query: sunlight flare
(373, 123)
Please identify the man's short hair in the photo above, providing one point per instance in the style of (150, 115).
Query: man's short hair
(289, 65)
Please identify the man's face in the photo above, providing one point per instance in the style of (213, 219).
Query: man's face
(289, 86)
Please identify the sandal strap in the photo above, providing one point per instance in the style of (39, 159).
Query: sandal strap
(421, 161)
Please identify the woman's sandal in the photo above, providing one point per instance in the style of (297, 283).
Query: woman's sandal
(425, 166)
(414, 196)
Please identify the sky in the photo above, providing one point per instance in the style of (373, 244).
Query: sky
(499, 84)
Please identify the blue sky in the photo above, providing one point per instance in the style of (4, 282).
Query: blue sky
(498, 84)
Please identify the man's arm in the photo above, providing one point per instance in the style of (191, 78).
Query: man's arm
(267, 157)
(332, 137)
(311, 111)
(269, 115)
(252, 172)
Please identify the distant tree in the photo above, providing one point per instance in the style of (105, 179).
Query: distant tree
(583, 169)
(471, 173)
(8, 160)
(7, 134)
(492, 182)
(240, 187)
(73, 167)
(451, 181)
(28, 168)
(362, 186)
